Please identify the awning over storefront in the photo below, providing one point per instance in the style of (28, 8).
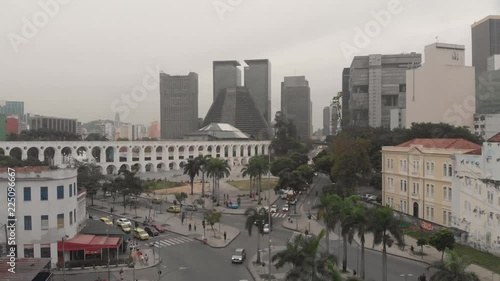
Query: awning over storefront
(86, 242)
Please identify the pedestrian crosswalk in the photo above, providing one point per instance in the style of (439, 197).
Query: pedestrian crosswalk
(168, 242)
(284, 215)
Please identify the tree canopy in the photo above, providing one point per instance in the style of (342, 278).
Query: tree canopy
(44, 135)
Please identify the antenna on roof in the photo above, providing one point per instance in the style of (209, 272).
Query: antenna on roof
(437, 39)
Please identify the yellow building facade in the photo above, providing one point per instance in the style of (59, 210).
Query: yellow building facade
(417, 177)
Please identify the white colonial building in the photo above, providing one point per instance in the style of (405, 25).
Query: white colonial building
(49, 206)
(476, 205)
(145, 156)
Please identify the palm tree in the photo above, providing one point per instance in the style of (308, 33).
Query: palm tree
(192, 169)
(385, 228)
(453, 268)
(218, 168)
(258, 166)
(344, 209)
(358, 224)
(202, 164)
(248, 171)
(308, 263)
(327, 216)
(257, 218)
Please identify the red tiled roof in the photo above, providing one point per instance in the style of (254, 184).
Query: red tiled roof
(441, 143)
(474, 152)
(495, 138)
(89, 242)
(28, 169)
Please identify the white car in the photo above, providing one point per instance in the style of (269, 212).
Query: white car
(123, 221)
(266, 229)
(274, 209)
(370, 197)
(285, 208)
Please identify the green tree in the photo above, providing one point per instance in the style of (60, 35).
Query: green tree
(259, 166)
(212, 217)
(358, 223)
(307, 261)
(421, 242)
(324, 163)
(96, 137)
(299, 158)
(248, 170)
(180, 197)
(386, 230)
(442, 240)
(453, 268)
(281, 164)
(126, 184)
(217, 168)
(192, 169)
(202, 164)
(327, 215)
(256, 218)
(89, 176)
(306, 172)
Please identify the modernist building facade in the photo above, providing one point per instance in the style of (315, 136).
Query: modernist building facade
(442, 89)
(485, 41)
(417, 177)
(476, 205)
(145, 156)
(49, 206)
(38, 122)
(226, 74)
(377, 84)
(296, 104)
(178, 105)
(258, 83)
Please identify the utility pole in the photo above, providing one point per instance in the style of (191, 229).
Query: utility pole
(107, 238)
(269, 205)
(64, 262)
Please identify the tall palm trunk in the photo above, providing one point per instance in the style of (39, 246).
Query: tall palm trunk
(218, 192)
(202, 184)
(327, 240)
(192, 185)
(259, 186)
(363, 256)
(384, 258)
(344, 256)
(258, 248)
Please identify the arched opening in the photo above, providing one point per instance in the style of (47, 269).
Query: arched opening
(124, 167)
(123, 154)
(33, 153)
(81, 153)
(256, 150)
(200, 150)
(172, 166)
(67, 155)
(160, 167)
(150, 167)
(191, 151)
(16, 152)
(209, 150)
(244, 161)
(147, 153)
(136, 152)
(249, 151)
(49, 154)
(181, 165)
(2, 152)
(101, 170)
(96, 154)
(111, 170)
(181, 152)
(136, 167)
(217, 151)
(242, 151)
(110, 154)
(226, 151)
(235, 151)
(415, 209)
(159, 153)
(171, 151)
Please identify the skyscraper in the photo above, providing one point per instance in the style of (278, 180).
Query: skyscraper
(179, 105)
(296, 104)
(377, 84)
(226, 75)
(346, 95)
(14, 108)
(258, 82)
(326, 121)
(485, 41)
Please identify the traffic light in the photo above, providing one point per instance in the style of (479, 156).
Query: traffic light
(309, 216)
(203, 223)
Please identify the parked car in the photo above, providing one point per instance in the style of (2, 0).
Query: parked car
(190, 208)
(239, 255)
(174, 209)
(370, 197)
(123, 221)
(156, 201)
(106, 220)
(267, 228)
(125, 228)
(141, 234)
(151, 231)
(285, 208)
(274, 208)
(158, 227)
(107, 194)
(233, 205)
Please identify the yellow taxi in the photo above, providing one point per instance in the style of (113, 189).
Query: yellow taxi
(125, 228)
(106, 221)
(141, 234)
(174, 209)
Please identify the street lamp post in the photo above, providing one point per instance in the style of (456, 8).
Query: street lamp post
(64, 261)
(269, 205)
(107, 238)
(406, 276)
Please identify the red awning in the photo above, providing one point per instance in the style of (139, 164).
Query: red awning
(89, 243)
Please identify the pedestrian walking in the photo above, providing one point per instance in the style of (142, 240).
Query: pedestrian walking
(412, 249)
(225, 236)
(146, 258)
(189, 226)
(354, 272)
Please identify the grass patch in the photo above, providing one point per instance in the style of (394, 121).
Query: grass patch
(152, 185)
(483, 259)
(244, 185)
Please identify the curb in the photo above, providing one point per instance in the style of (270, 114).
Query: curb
(219, 247)
(113, 268)
(251, 269)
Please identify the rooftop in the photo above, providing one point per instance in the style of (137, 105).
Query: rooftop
(221, 131)
(495, 138)
(231, 62)
(441, 143)
(490, 17)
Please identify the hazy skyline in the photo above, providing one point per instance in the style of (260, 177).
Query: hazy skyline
(86, 55)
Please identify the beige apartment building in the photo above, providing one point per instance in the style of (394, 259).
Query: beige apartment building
(417, 177)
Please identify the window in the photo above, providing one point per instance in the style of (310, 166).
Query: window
(45, 250)
(403, 165)
(447, 193)
(60, 192)
(429, 190)
(402, 88)
(71, 218)
(74, 188)
(29, 251)
(446, 218)
(432, 168)
(27, 223)
(45, 222)
(27, 194)
(416, 188)
(60, 221)
(390, 164)
(402, 185)
(74, 215)
(450, 170)
(447, 170)
(490, 197)
(44, 193)
(427, 212)
(416, 166)
(427, 167)
(402, 206)
(70, 190)
(432, 214)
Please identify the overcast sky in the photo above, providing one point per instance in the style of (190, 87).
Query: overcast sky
(80, 60)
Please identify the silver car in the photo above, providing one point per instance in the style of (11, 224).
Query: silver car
(239, 255)
(266, 229)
